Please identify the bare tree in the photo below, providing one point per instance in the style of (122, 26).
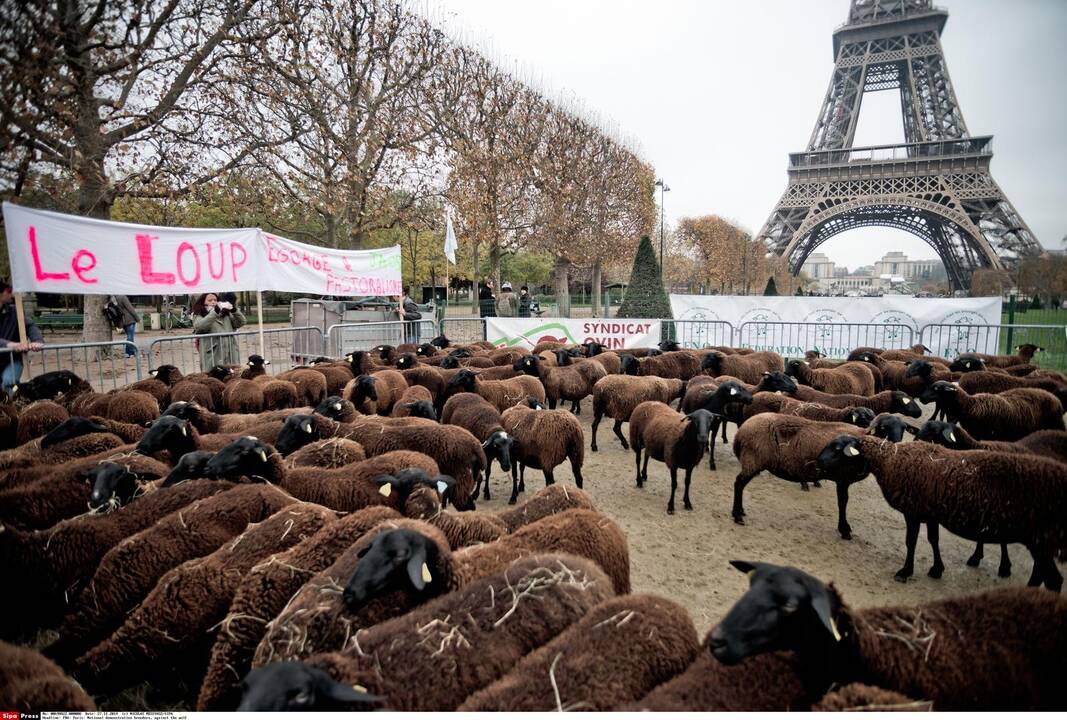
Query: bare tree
(125, 97)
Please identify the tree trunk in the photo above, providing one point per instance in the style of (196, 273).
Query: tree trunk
(597, 272)
(94, 200)
(494, 265)
(563, 297)
(331, 231)
(474, 277)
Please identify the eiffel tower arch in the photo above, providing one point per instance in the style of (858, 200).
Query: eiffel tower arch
(937, 185)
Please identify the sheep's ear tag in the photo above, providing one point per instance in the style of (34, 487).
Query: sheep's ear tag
(951, 436)
(307, 427)
(834, 630)
(263, 455)
(359, 688)
(851, 451)
(967, 365)
(907, 400)
(386, 490)
(337, 406)
(442, 486)
(184, 430)
(426, 576)
(733, 391)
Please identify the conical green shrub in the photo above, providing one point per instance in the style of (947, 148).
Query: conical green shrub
(645, 296)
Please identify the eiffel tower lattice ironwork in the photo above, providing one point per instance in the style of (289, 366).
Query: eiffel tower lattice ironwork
(937, 185)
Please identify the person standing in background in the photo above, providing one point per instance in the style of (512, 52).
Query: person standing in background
(11, 362)
(524, 302)
(409, 313)
(129, 321)
(505, 304)
(213, 316)
(487, 300)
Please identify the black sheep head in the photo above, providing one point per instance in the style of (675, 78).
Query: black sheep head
(421, 409)
(534, 403)
(653, 352)
(450, 362)
(113, 485)
(296, 432)
(406, 361)
(364, 389)
(904, 404)
(528, 364)
(257, 361)
(190, 466)
(184, 410)
(563, 357)
(168, 374)
(168, 432)
(290, 685)
(700, 423)
(46, 386)
(426, 350)
(244, 457)
(630, 365)
(398, 487)
(359, 361)
(943, 393)
(867, 357)
(842, 459)
(712, 363)
(777, 381)
(332, 407)
(793, 367)
(460, 352)
(395, 560)
(783, 608)
(592, 349)
(940, 433)
(731, 391)
(813, 355)
(966, 362)
(71, 428)
(861, 416)
(919, 368)
(221, 373)
(498, 446)
(386, 352)
(463, 381)
(890, 427)
(669, 346)
(440, 341)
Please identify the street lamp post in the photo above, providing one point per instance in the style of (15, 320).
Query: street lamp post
(663, 188)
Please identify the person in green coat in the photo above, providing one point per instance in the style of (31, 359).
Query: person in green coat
(212, 316)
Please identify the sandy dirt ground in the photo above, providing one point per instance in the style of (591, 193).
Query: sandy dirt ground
(685, 556)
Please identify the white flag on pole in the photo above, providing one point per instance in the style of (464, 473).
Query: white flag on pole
(450, 238)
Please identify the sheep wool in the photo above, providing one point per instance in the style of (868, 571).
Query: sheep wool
(37, 418)
(327, 454)
(30, 682)
(544, 439)
(618, 395)
(547, 501)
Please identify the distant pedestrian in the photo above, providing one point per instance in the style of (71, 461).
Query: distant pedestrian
(11, 362)
(409, 313)
(210, 317)
(487, 300)
(505, 303)
(127, 320)
(524, 302)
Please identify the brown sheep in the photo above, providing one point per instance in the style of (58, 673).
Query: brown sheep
(616, 654)
(131, 406)
(328, 454)
(243, 396)
(394, 658)
(573, 382)
(37, 419)
(129, 571)
(783, 404)
(618, 395)
(157, 389)
(188, 602)
(679, 364)
(30, 683)
(1008, 415)
(747, 368)
(481, 419)
(857, 696)
(852, 378)
(677, 440)
(461, 529)
(543, 439)
(502, 394)
(546, 501)
(414, 394)
(311, 384)
(193, 392)
(263, 594)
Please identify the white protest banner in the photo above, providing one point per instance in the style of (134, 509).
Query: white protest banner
(56, 253)
(613, 334)
(292, 266)
(768, 318)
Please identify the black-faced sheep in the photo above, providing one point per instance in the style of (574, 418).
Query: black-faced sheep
(853, 378)
(407, 402)
(489, 625)
(723, 398)
(457, 452)
(129, 571)
(263, 594)
(951, 652)
(48, 386)
(785, 405)
(30, 683)
(616, 654)
(478, 416)
(748, 368)
(995, 382)
(573, 382)
(973, 493)
(502, 394)
(1008, 415)
(543, 439)
(391, 385)
(460, 528)
(618, 395)
(188, 602)
(788, 447)
(362, 392)
(1024, 355)
(677, 440)
(887, 401)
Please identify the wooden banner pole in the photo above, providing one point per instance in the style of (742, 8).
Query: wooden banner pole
(20, 315)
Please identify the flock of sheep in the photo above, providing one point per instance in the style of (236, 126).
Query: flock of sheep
(248, 541)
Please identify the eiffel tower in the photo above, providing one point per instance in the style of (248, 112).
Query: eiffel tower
(936, 186)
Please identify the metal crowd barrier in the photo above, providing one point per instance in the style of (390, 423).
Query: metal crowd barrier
(103, 365)
(948, 341)
(344, 338)
(833, 340)
(464, 330)
(696, 334)
(283, 347)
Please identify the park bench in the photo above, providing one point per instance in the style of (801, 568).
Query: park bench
(62, 321)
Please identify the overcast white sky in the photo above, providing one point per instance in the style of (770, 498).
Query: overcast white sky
(718, 93)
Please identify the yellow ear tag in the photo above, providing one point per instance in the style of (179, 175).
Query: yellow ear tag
(951, 436)
(307, 428)
(851, 451)
(833, 629)
(907, 400)
(263, 454)
(359, 688)
(184, 431)
(386, 490)
(426, 577)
